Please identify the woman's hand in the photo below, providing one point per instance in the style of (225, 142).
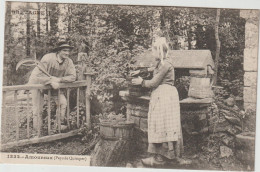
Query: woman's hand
(137, 81)
(133, 73)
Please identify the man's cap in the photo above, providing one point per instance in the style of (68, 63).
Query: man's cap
(62, 45)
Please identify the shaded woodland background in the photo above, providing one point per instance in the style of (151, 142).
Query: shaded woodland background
(114, 34)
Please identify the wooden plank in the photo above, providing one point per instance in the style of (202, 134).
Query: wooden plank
(90, 74)
(190, 59)
(191, 100)
(189, 67)
(58, 115)
(39, 140)
(188, 100)
(87, 93)
(82, 83)
(78, 107)
(68, 107)
(49, 112)
(16, 116)
(28, 114)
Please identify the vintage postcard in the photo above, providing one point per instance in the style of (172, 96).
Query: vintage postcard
(133, 86)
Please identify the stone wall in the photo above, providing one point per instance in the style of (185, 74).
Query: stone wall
(250, 57)
(195, 120)
(137, 111)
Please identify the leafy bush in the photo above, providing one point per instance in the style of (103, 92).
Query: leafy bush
(249, 121)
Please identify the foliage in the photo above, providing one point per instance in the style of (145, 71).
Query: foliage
(115, 34)
(249, 121)
(72, 120)
(182, 85)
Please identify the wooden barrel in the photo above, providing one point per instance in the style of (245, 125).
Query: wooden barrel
(112, 130)
(200, 87)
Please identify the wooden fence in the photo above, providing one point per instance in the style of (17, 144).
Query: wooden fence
(65, 87)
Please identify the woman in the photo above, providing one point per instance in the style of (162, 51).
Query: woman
(164, 125)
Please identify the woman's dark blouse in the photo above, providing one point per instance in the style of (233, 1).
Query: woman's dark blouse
(162, 74)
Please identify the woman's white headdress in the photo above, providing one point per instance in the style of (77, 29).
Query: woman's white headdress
(160, 43)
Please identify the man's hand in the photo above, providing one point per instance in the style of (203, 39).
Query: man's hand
(55, 85)
(54, 82)
(55, 79)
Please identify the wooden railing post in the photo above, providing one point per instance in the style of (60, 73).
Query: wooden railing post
(28, 114)
(77, 107)
(4, 116)
(17, 116)
(58, 114)
(37, 102)
(39, 112)
(68, 107)
(87, 93)
(49, 112)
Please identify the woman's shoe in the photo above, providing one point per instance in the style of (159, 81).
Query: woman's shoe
(152, 162)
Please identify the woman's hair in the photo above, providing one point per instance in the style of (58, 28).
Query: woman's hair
(161, 47)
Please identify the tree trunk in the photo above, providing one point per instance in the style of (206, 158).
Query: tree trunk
(7, 37)
(69, 20)
(54, 17)
(37, 53)
(217, 47)
(38, 21)
(189, 30)
(28, 27)
(189, 39)
(166, 24)
(7, 26)
(156, 25)
(47, 18)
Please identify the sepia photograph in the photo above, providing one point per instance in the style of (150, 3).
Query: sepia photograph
(130, 86)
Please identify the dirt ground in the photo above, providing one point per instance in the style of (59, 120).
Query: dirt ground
(68, 146)
(199, 160)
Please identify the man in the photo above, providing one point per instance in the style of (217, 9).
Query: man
(62, 70)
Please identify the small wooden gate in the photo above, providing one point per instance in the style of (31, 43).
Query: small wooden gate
(11, 119)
